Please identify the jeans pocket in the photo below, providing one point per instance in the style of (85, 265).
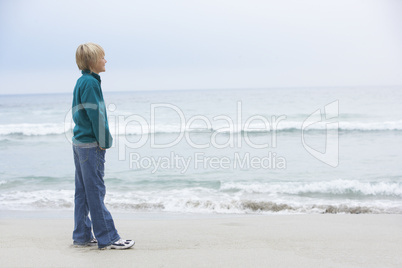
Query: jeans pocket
(83, 154)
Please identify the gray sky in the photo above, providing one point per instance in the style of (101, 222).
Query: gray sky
(208, 44)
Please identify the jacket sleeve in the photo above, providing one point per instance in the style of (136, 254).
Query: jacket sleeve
(97, 114)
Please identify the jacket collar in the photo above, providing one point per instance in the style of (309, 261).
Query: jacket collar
(97, 76)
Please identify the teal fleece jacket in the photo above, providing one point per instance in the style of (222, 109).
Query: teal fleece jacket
(89, 112)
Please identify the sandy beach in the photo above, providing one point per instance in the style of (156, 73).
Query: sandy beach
(215, 241)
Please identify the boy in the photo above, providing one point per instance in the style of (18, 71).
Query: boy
(90, 141)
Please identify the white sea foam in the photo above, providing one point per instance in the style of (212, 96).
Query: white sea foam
(354, 197)
(336, 187)
(42, 199)
(29, 129)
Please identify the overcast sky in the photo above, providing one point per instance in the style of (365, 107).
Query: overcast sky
(206, 44)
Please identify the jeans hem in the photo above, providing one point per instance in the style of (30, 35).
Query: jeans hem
(115, 240)
(81, 244)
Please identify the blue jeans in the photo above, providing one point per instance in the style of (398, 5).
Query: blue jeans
(90, 193)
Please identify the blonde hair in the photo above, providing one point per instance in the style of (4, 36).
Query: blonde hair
(87, 55)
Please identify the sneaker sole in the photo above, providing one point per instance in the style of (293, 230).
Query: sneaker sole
(126, 246)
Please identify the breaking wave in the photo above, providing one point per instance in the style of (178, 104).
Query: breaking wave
(340, 196)
(29, 129)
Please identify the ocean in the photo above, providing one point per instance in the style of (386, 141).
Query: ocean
(240, 151)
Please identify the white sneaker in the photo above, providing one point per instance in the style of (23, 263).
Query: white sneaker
(121, 244)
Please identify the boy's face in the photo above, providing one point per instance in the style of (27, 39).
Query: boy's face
(100, 65)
